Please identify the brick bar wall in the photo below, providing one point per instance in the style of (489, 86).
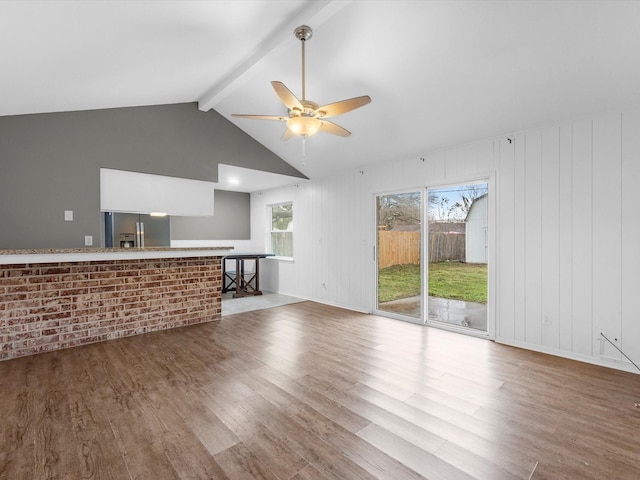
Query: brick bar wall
(45, 307)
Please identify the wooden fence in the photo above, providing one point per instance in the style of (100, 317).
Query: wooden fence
(402, 248)
(447, 247)
(398, 248)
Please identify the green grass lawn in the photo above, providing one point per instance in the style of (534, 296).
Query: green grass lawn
(458, 281)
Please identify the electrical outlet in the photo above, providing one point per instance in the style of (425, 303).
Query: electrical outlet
(546, 320)
(88, 240)
(68, 215)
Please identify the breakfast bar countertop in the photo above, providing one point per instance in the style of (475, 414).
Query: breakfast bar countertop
(55, 255)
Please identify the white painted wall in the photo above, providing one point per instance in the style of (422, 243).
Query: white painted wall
(235, 246)
(566, 262)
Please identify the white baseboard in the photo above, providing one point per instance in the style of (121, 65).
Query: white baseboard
(324, 302)
(602, 362)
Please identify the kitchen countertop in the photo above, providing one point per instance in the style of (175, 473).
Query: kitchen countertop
(55, 255)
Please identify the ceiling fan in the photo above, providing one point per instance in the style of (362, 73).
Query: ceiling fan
(305, 117)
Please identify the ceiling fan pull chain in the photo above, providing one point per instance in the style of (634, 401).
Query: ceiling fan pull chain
(304, 147)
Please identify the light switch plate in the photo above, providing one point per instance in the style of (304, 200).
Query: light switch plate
(88, 240)
(68, 215)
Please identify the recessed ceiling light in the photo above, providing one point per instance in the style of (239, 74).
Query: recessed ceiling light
(234, 181)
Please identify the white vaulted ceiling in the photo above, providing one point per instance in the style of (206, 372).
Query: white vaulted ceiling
(439, 73)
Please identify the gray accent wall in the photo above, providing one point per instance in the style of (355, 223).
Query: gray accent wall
(50, 163)
(231, 220)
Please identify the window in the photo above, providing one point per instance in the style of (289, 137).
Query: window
(281, 229)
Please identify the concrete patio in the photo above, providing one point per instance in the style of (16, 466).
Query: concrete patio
(453, 312)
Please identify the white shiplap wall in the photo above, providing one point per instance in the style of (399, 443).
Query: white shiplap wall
(567, 256)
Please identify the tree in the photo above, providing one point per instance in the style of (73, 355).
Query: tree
(398, 209)
(468, 194)
(281, 216)
(453, 204)
(439, 209)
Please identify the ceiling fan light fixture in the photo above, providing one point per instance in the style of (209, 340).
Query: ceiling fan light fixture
(304, 126)
(306, 118)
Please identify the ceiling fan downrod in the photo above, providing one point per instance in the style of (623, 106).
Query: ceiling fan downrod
(303, 33)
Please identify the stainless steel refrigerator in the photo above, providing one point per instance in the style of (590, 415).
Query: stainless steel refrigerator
(133, 230)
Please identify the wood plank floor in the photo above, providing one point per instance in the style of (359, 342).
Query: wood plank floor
(307, 391)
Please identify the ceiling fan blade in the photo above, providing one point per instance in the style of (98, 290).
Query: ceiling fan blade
(343, 106)
(285, 95)
(260, 117)
(329, 127)
(287, 135)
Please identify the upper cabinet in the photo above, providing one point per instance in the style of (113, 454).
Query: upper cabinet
(123, 191)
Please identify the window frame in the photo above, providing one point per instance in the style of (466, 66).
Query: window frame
(271, 231)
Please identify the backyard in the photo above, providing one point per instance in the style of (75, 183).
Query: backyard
(451, 280)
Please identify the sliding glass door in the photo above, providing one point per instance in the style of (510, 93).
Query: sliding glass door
(458, 256)
(399, 255)
(432, 256)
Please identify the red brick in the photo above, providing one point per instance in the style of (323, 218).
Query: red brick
(54, 316)
(44, 309)
(48, 340)
(54, 270)
(101, 275)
